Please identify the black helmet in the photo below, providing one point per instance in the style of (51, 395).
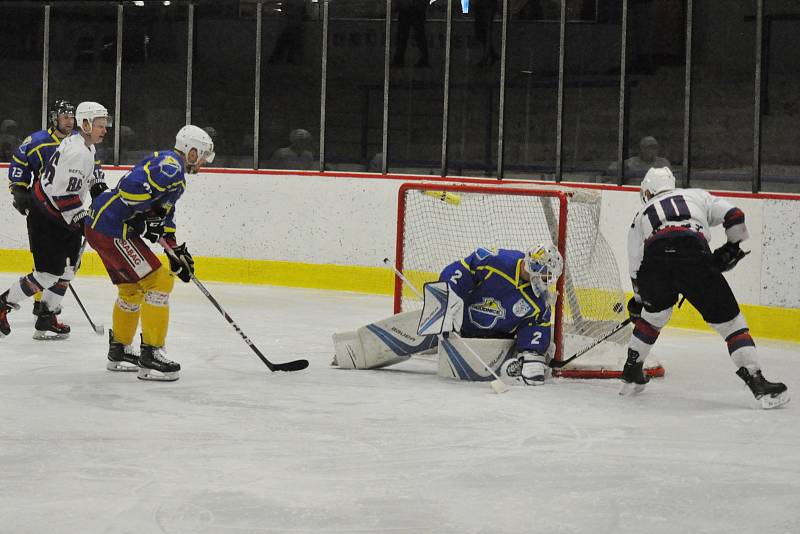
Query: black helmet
(60, 107)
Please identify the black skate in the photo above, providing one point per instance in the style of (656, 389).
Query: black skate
(768, 394)
(38, 307)
(5, 307)
(153, 365)
(121, 357)
(633, 378)
(48, 328)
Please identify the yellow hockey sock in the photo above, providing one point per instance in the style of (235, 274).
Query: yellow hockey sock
(155, 309)
(126, 312)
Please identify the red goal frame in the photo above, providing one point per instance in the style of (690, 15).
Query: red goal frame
(561, 235)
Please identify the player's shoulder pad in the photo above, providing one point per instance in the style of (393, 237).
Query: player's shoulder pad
(37, 138)
(23, 147)
(170, 164)
(482, 253)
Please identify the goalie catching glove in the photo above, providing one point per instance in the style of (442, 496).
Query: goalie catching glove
(728, 255)
(182, 263)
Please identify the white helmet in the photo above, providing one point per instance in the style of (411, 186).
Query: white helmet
(544, 265)
(657, 180)
(89, 111)
(190, 137)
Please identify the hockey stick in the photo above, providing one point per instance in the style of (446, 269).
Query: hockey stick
(98, 329)
(558, 365)
(497, 385)
(295, 365)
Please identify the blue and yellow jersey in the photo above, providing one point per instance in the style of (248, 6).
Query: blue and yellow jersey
(31, 157)
(498, 301)
(152, 186)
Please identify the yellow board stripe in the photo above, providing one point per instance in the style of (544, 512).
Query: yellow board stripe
(764, 321)
(374, 280)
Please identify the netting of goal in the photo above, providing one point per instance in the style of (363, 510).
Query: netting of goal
(438, 224)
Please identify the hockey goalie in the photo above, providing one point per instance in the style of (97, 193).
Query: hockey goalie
(489, 313)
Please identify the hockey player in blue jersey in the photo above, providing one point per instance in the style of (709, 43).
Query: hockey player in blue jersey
(32, 155)
(142, 206)
(504, 293)
(502, 296)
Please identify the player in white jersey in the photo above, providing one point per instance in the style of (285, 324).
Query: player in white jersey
(55, 224)
(668, 256)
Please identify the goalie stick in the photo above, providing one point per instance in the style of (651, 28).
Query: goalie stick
(295, 365)
(498, 386)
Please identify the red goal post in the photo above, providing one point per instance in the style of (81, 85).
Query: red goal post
(440, 223)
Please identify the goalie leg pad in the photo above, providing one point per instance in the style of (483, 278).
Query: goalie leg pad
(383, 343)
(457, 362)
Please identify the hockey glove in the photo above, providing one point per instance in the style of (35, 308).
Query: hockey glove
(634, 308)
(728, 255)
(77, 221)
(533, 368)
(149, 227)
(22, 199)
(97, 189)
(182, 264)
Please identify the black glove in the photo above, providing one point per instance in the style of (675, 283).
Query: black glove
(150, 227)
(728, 255)
(77, 221)
(97, 189)
(183, 264)
(22, 199)
(634, 308)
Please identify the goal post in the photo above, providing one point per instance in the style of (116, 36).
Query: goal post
(441, 223)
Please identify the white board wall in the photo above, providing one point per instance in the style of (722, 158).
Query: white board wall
(352, 221)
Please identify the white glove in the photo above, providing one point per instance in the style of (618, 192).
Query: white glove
(528, 368)
(534, 368)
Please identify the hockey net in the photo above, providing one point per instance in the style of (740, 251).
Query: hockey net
(438, 224)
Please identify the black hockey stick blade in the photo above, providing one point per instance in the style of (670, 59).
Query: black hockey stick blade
(295, 365)
(558, 365)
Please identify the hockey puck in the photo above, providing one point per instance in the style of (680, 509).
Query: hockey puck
(618, 307)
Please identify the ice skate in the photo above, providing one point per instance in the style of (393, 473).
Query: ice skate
(38, 307)
(48, 328)
(768, 394)
(153, 365)
(121, 357)
(5, 307)
(633, 378)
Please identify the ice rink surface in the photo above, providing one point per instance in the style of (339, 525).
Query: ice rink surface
(233, 448)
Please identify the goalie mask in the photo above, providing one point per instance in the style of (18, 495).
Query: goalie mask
(543, 264)
(657, 180)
